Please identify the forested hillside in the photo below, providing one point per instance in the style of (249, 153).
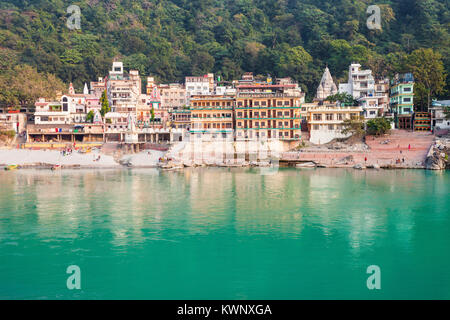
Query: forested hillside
(174, 38)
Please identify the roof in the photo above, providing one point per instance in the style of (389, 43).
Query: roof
(441, 103)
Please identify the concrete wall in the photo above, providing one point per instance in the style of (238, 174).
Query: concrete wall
(324, 136)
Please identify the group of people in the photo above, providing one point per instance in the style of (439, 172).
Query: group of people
(66, 151)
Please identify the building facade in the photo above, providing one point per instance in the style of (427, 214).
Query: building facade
(439, 120)
(361, 83)
(325, 122)
(212, 116)
(268, 111)
(402, 100)
(173, 96)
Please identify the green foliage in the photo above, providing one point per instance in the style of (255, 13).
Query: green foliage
(90, 117)
(354, 126)
(22, 85)
(9, 133)
(429, 73)
(152, 113)
(344, 98)
(378, 126)
(105, 104)
(170, 39)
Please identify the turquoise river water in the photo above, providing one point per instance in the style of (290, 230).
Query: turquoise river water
(217, 233)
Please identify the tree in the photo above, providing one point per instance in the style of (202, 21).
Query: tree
(428, 69)
(152, 114)
(105, 104)
(343, 98)
(23, 85)
(378, 126)
(354, 126)
(90, 117)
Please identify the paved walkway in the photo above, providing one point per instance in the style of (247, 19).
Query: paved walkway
(386, 150)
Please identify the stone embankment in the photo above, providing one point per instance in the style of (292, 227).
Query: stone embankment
(438, 156)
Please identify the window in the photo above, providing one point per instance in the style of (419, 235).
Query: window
(329, 116)
(406, 99)
(316, 127)
(317, 117)
(407, 89)
(330, 127)
(239, 114)
(286, 113)
(339, 116)
(279, 103)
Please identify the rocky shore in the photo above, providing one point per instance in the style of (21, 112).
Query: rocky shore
(438, 156)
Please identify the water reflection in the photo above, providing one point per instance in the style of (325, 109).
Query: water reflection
(248, 232)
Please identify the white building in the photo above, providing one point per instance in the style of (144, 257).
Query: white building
(225, 91)
(199, 85)
(438, 117)
(325, 122)
(123, 90)
(361, 83)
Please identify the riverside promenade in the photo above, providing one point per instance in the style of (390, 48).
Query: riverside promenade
(399, 149)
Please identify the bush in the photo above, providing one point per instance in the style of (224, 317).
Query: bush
(10, 133)
(378, 126)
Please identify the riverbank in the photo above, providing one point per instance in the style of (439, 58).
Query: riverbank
(399, 150)
(46, 159)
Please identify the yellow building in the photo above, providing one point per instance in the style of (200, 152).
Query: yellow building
(268, 111)
(212, 116)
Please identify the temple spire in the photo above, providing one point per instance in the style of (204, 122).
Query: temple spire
(327, 87)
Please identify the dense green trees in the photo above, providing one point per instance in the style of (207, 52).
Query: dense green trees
(105, 104)
(378, 126)
(23, 85)
(428, 70)
(173, 38)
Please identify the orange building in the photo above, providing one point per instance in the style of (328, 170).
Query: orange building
(271, 111)
(212, 116)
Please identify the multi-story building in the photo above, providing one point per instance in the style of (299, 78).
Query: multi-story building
(361, 83)
(98, 87)
(181, 119)
(51, 112)
(376, 104)
(199, 85)
(268, 111)
(439, 120)
(212, 116)
(173, 96)
(325, 121)
(382, 93)
(123, 90)
(402, 100)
